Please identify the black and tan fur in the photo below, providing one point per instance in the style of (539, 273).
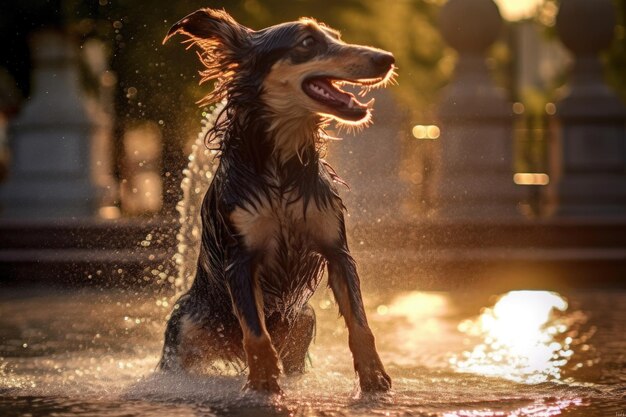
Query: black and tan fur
(272, 217)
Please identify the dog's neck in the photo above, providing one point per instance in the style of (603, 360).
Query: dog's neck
(295, 137)
(284, 146)
(293, 129)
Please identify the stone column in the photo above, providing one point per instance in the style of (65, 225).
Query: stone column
(476, 170)
(50, 141)
(589, 166)
(101, 111)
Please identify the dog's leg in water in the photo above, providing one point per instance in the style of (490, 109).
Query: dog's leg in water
(248, 302)
(344, 281)
(170, 359)
(293, 354)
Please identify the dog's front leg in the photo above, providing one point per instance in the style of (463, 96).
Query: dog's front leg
(344, 281)
(248, 306)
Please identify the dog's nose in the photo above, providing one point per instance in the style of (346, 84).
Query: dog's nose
(383, 60)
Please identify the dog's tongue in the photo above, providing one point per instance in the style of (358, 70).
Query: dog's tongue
(337, 95)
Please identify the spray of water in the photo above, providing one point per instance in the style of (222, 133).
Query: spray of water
(201, 166)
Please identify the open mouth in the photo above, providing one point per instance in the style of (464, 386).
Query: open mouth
(327, 91)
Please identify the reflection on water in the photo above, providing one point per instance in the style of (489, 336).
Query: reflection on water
(94, 353)
(417, 306)
(411, 318)
(522, 338)
(550, 409)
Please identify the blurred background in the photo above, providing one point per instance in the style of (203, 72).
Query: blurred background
(505, 112)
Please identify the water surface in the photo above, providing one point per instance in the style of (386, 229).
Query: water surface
(537, 353)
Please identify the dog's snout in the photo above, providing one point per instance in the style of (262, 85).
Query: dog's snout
(383, 60)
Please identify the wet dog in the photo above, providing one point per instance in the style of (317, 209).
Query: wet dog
(272, 219)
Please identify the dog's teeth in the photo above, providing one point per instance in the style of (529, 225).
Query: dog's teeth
(353, 103)
(321, 91)
(370, 103)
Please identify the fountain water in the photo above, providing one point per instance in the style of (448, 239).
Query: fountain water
(197, 178)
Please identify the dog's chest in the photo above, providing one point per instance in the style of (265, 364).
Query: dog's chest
(287, 234)
(284, 221)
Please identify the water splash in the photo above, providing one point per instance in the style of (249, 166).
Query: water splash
(197, 178)
(523, 338)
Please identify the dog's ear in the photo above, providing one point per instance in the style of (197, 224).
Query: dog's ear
(210, 26)
(224, 44)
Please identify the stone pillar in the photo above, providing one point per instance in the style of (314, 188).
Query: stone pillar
(101, 111)
(476, 169)
(50, 141)
(589, 166)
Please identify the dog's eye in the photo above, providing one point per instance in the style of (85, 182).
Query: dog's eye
(307, 42)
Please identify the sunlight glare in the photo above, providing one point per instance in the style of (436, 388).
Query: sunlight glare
(416, 305)
(520, 338)
(417, 317)
(518, 9)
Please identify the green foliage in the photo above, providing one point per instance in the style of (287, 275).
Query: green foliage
(616, 55)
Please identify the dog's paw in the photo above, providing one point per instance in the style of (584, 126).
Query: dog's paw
(268, 386)
(374, 381)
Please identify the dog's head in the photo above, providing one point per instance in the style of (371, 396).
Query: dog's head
(296, 68)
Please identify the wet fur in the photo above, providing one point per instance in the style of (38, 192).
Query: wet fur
(272, 219)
